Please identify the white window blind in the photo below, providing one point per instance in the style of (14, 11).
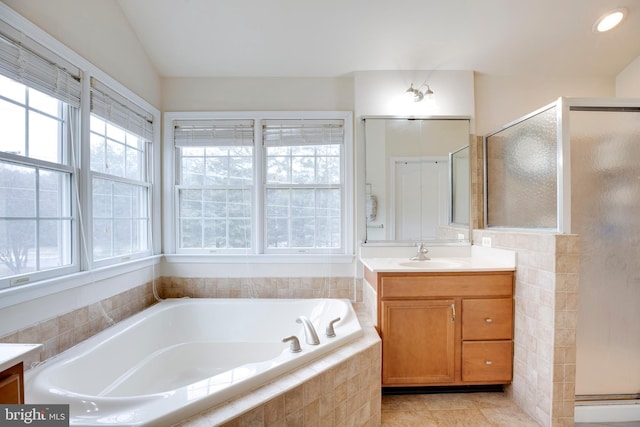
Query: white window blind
(302, 132)
(118, 110)
(213, 133)
(25, 61)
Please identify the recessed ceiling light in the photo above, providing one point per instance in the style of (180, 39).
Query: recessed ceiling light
(609, 20)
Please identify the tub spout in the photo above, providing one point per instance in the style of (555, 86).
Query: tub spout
(309, 331)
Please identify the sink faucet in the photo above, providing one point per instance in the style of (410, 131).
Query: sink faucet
(309, 331)
(422, 253)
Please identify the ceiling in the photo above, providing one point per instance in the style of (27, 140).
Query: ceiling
(332, 38)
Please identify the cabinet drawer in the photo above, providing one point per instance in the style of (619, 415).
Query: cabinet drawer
(487, 319)
(487, 361)
(445, 285)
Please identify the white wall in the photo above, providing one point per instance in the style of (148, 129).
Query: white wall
(257, 94)
(99, 32)
(503, 99)
(383, 92)
(628, 81)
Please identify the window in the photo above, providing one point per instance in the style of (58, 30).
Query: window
(255, 184)
(215, 184)
(304, 185)
(76, 178)
(120, 179)
(39, 100)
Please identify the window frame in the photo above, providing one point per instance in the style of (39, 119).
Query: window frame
(83, 272)
(67, 127)
(258, 252)
(144, 182)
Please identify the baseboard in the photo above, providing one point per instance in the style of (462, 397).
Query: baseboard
(607, 411)
(444, 389)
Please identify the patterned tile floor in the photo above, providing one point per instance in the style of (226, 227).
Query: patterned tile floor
(453, 409)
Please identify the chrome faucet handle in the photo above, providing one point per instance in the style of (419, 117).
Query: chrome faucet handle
(294, 346)
(329, 332)
(422, 253)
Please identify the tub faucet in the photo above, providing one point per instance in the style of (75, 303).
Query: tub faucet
(310, 334)
(294, 344)
(422, 253)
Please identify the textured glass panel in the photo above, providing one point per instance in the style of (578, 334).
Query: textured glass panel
(522, 174)
(605, 201)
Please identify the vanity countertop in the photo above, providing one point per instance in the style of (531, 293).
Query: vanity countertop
(11, 354)
(478, 259)
(435, 265)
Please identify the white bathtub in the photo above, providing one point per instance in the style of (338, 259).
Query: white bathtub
(182, 356)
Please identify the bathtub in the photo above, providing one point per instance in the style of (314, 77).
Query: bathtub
(182, 356)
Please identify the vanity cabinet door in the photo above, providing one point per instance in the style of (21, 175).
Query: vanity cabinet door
(11, 385)
(418, 342)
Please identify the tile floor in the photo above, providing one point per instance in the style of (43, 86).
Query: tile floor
(462, 410)
(453, 409)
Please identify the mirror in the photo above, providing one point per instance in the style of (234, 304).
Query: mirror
(417, 173)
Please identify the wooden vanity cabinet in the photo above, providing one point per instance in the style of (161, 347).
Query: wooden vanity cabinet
(445, 328)
(12, 385)
(410, 327)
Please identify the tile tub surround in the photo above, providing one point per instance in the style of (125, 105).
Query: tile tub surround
(340, 389)
(64, 331)
(262, 287)
(546, 298)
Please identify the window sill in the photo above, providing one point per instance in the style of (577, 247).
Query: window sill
(259, 259)
(24, 293)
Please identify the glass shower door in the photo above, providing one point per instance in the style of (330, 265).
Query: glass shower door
(605, 212)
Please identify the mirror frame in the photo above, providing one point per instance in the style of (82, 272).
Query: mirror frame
(362, 188)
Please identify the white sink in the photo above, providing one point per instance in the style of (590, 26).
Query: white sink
(430, 263)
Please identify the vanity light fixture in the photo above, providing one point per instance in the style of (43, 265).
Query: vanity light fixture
(418, 95)
(609, 20)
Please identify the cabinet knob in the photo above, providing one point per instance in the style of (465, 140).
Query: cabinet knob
(488, 362)
(488, 320)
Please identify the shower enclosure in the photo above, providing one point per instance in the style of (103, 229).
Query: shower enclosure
(574, 167)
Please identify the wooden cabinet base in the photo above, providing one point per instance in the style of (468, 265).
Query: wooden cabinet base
(11, 385)
(445, 329)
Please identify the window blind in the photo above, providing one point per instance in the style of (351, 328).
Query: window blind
(302, 132)
(212, 133)
(119, 110)
(24, 60)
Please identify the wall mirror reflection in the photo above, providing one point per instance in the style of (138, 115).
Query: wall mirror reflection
(417, 174)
